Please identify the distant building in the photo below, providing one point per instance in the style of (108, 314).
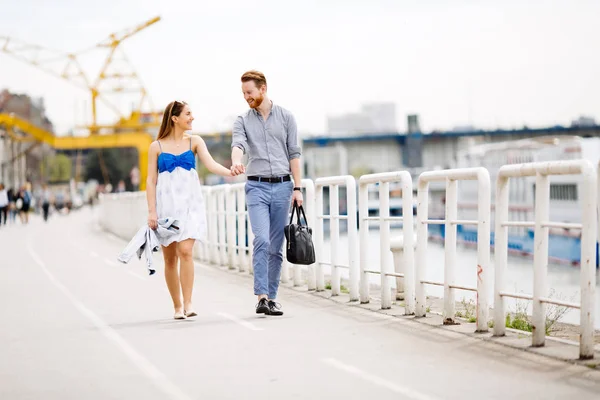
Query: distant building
(583, 121)
(373, 118)
(21, 161)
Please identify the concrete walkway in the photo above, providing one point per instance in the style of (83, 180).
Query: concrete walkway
(78, 325)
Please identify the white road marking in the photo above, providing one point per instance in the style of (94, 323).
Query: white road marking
(110, 262)
(114, 237)
(136, 275)
(376, 380)
(241, 322)
(155, 376)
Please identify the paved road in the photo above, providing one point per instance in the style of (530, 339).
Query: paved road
(77, 325)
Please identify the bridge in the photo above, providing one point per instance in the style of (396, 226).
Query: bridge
(77, 324)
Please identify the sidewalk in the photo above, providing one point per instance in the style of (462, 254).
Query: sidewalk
(76, 324)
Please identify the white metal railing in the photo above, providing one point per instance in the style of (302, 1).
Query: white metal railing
(542, 171)
(237, 221)
(334, 217)
(205, 247)
(384, 179)
(124, 213)
(217, 224)
(451, 177)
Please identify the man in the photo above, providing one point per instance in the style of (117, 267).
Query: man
(268, 134)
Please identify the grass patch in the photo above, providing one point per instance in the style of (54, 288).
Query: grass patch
(520, 320)
(343, 289)
(469, 310)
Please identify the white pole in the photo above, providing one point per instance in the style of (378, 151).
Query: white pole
(221, 213)
(384, 244)
(421, 257)
(500, 253)
(483, 249)
(450, 250)
(212, 227)
(353, 250)
(363, 213)
(241, 228)
(310, 214)
(319, 243)
(588, 260)
(251, 247)
(334, 236)
(540, 259)
(408, 255)
(231, 231)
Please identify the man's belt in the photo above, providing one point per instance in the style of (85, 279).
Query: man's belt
(270, 179)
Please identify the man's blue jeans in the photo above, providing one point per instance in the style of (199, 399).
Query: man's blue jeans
(268, 208)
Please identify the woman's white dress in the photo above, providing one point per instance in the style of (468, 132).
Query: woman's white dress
(179, 196)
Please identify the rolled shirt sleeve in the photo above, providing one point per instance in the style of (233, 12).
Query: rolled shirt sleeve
(239, 138)
(294, 150)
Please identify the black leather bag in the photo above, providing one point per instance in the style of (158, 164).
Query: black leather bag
(299, 246)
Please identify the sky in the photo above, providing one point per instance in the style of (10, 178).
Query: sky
(491, 64)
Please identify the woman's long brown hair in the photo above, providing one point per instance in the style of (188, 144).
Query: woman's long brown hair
(174, 108)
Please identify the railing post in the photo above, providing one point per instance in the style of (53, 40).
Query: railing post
(285, 268)
(408, 256)
(334, 237)
(309, 199)
(241, 227)
(588, 260)
(540, 259)
(319, 241)
(500, 254)
(450, 250)
(250, 247)
(422, 239)
(363, 199)
(206, 193)
(221, 221)
(384, 244)
(483, 250)
(231, 230)
(353, 250)
(213, 226)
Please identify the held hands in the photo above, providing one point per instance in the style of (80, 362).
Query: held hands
(152, 220)
(297, 197)
(237, 169)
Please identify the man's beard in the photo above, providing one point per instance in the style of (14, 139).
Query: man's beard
(257, 101)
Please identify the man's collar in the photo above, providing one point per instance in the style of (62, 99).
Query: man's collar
(258, 113)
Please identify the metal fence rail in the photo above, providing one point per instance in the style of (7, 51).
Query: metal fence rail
(451, 177)
(334, 216)
(542, 171)
(383, 180)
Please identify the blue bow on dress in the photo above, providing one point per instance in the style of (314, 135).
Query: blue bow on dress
(168, 162)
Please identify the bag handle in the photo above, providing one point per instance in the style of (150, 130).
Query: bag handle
(296, 208)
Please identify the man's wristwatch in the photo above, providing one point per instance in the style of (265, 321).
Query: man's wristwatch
(298, 189)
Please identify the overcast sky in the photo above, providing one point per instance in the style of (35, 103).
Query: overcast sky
(454, 62)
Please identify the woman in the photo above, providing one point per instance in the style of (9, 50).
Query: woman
(25, 197)
(173, 190)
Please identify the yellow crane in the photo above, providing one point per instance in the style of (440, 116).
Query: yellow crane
(110, 80)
